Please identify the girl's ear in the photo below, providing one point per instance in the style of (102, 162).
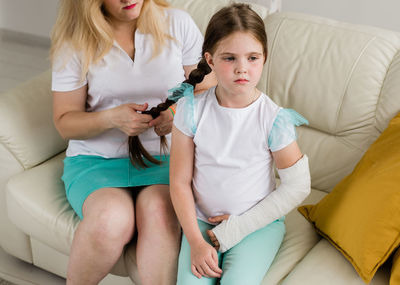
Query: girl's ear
(209, 59)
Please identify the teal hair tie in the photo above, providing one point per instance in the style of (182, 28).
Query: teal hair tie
(181, 90)
(185, 90)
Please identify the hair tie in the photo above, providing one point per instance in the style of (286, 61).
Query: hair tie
(181, 90)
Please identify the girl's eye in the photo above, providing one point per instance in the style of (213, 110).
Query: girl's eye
(253, 58)
(229, 58)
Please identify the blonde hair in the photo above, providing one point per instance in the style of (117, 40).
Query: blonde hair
(85, 27)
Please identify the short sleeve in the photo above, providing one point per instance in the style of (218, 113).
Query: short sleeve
(190, 37)
(283, 131)
(184, 117)
(66, 71)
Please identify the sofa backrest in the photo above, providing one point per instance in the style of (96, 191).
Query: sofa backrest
(345, 79)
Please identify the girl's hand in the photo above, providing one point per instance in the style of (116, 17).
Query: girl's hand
(163, 123)
(204, 260)
(211, 235)
(126, 118)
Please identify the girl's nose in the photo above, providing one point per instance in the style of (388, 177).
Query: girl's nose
(241, 67)
(240, 70)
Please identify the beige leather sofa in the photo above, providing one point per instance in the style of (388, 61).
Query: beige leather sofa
(345, 79)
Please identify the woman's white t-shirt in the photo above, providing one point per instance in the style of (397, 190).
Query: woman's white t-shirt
(117, 79)
(233, 164)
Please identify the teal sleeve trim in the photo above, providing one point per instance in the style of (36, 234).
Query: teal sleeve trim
(283, 131)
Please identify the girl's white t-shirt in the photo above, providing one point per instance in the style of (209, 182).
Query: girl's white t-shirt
(117, 79)
(233, 165)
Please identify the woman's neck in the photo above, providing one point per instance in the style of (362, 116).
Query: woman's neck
(124, 29)
(124, 34)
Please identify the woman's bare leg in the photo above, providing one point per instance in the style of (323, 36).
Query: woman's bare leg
(159, 236)
(107, 226)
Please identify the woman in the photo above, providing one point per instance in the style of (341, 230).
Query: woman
(111, 60)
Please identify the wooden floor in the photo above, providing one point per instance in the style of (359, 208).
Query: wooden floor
(21, 57)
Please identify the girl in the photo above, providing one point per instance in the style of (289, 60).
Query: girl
(224, 144)
(111, 59)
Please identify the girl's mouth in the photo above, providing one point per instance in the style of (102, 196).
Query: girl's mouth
(241, 81)
(130, 6)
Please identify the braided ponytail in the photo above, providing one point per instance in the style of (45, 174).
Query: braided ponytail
(197, 75)
(137, 152)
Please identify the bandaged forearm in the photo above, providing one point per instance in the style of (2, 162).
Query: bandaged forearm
(294, 188)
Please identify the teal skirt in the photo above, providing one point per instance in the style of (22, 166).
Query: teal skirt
(84, 174)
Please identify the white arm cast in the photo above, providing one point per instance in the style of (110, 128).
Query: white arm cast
(294, 188)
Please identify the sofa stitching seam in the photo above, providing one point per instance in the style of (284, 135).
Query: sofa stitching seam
(13, 155)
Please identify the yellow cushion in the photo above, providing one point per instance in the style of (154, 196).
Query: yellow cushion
(395, 273)
(361, 216)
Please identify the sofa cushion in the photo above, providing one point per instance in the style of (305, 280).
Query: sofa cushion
(361, 216)
(324, 265)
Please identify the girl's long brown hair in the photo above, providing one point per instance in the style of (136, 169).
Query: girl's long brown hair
(230, 19)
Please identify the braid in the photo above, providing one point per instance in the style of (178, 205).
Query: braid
(136, 150)
(197, 75)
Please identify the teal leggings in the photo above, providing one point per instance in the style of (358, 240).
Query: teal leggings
(245, 263)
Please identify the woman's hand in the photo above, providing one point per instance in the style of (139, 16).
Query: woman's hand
(163, 123)
(211, 235)
(204, 260)
(126, 118)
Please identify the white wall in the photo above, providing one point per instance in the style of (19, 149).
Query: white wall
(381, 13)
(38, 16)
(35, 17)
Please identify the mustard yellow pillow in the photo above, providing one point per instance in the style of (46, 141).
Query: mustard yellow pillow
(361, 216)
(395, 273)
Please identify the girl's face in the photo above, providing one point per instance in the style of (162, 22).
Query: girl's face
(237, 63)
(123, 10)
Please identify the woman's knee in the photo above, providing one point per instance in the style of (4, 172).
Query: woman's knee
(109, 218)
(154, 207)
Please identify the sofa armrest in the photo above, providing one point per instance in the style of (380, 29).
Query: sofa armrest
(27, 138)
(26, 124)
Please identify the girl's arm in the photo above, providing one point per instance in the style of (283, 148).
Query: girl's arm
(73, 122)
(288, 156)
(203, 256)
(294, 188)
